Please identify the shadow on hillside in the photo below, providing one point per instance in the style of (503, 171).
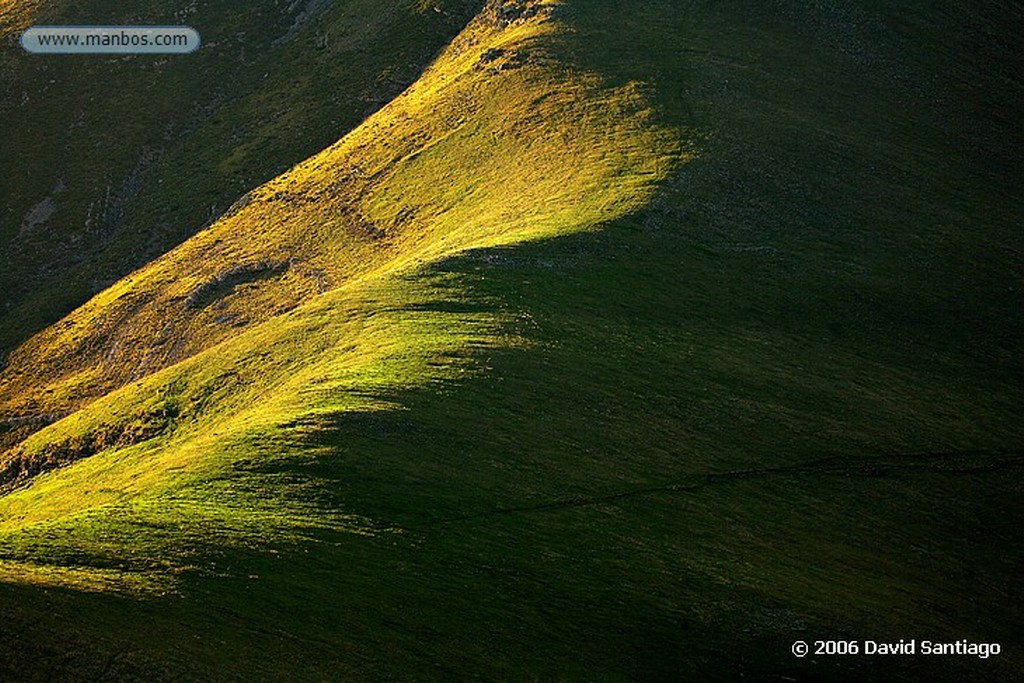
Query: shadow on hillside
(776, 304)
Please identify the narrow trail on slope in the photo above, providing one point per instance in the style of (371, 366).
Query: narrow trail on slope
(849, 466)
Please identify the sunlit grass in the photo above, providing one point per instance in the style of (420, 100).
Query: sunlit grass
(472, 156)
(16, 15)
(546, 393)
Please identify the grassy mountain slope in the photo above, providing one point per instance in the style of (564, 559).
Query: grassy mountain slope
(122, 158)
(405, 413)
(386, 198)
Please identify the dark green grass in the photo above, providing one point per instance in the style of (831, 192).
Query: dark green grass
(781, 403)
(549, 526)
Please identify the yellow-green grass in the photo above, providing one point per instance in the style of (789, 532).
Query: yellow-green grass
(774, 400)
(551, 152)
(134, 155)
(390, 195)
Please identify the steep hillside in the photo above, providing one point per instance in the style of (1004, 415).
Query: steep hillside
(388, 197)
(627, 343)
(120, 159)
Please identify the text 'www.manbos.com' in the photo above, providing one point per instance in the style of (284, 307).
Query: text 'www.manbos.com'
(110, 40)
